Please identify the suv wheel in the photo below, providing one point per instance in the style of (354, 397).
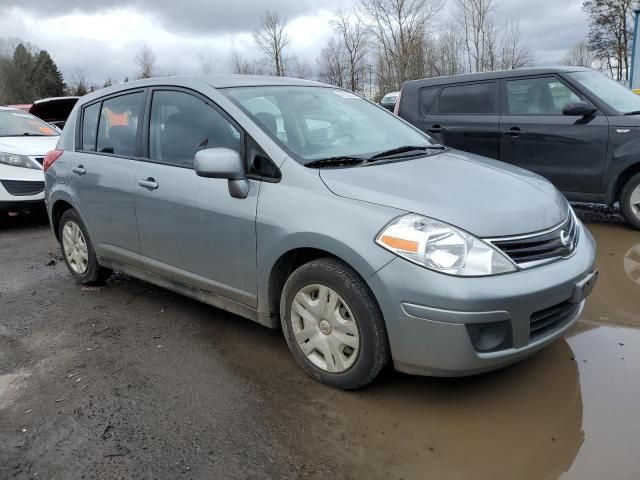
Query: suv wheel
(630, 201)
(78, 251)
(332, 324)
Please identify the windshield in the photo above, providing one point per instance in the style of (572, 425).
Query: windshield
(611, 92)
(14, 123)
(316, 122)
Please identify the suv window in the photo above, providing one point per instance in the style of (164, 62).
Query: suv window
(472, 98)
(538, 96)
(90, 127)
(427, 97)
(182, 124)
(118, 127)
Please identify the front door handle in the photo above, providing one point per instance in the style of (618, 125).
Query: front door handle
(516, 132)
(80, 170)
(436, 129)
(149, 183)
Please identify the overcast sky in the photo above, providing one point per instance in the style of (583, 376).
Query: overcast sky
(101, 38)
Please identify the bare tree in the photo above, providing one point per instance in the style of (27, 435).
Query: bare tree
(445, 52)
(399, 27)
(579, 55)
(272, 40)
(353, 34)
(512, 51)
(477, 31)
(297, 67)
(207, 64)
(332, 63)
(239, 64)
(146, 60)
(79, 83)
(610, 34)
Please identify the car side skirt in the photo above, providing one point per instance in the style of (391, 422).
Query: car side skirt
(203, 296)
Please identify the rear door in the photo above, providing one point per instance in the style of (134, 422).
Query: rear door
(191, 229)
(569, 151)
(466, 116)
(103, 170)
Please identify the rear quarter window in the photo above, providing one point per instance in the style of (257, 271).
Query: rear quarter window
(427, 98)
(90, 127)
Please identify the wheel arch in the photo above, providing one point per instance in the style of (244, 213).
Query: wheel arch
(57, 210)
(622, 179)
(295, 256)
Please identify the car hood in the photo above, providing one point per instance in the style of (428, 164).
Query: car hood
(485, 197)
(34, 146)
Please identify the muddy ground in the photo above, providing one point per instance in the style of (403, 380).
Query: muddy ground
(131, 381)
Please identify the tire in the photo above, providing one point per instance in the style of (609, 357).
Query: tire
(78, 252)
(330, 291)
(630, 201)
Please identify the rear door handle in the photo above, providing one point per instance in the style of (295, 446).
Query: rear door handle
(516, 132)
(436, 129)
(149, 183)
(80, 170)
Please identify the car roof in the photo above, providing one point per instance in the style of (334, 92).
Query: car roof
(474, 77)
(215, 81)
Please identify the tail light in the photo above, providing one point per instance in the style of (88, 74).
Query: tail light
(396, 107)
(51, 157)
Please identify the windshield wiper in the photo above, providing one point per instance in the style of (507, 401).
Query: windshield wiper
(334, 162)
(405, 149)
(635, 112)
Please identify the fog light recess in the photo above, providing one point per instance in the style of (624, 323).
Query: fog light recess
(490, 337)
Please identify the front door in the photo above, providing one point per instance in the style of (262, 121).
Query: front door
(191, 229)
(103, 171)
(466, 117)
(569, 151)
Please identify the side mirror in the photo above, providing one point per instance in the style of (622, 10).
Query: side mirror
(223, 163)
(578, 109)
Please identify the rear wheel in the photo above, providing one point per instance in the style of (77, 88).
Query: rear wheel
(630, 201)
(78, 251)
(332, 324)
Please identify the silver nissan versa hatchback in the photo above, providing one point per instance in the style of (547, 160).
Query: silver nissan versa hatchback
(303, 206)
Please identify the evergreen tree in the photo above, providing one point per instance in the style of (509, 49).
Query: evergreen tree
(21, 76)
(47, 78)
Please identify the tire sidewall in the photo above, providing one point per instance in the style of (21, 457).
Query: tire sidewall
(625, 201)
(373, 350)
(91, 274)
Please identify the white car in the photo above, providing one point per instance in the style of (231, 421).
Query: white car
(24, 141)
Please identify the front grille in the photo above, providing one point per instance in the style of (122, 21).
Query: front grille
(22, 188)
(549, 319)
(542, 247)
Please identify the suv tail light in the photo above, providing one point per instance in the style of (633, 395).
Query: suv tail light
(51, 157)
(396, 107)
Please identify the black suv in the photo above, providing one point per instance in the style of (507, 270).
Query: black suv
(574, 126)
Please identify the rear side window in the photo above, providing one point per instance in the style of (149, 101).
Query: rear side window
(473, 98)
(90, 127)
(538, 96)
(427, 97)
(117, 131)
(182, 124)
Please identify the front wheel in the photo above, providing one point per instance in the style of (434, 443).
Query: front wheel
(630, 201)
(78, 251)
(332, 324)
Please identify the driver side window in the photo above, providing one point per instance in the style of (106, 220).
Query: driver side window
(538, 96)
(182, 124)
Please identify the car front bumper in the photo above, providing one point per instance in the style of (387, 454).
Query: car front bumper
(428, 315)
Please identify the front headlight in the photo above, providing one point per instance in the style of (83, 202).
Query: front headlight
(443, 248)
(18, 161)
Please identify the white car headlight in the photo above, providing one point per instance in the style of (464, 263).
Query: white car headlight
(443, 248)
(16, 160)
